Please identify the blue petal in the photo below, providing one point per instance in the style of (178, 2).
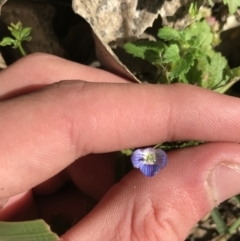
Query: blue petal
(161, 158)
(149, 170)
(137, 158)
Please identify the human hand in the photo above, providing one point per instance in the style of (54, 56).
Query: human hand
(44, 132)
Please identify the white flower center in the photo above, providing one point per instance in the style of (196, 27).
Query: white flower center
(150, 158)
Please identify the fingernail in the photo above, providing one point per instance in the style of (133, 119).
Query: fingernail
(3, 202)
(225, 181)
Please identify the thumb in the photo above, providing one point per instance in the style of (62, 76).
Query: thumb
(167, 206)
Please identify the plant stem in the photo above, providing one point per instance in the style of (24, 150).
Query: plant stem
(21, 49)
(224, 88)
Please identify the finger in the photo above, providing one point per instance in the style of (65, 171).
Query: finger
(92, 174)
(167, 206)
(46, 69)
(66, 206)
(37, 70)
(19, 208)
(71, 119)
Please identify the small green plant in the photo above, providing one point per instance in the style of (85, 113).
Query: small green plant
(19, 34)
(187, 56)
(233, 5)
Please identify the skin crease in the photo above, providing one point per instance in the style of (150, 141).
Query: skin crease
(83, 121)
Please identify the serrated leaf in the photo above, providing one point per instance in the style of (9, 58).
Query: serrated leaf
(194, 75)
(26, 231)
(232, 5)
(189, 58)
(138, 49)
(28, 38)
(182, 79)
(190, 74)
(212, 76)
(7, 41)
(152, 56)
(15, 33)
(199, 35)
(25, 32)
(171, 54)
(182, 66)
(215, 70)
(167, 34)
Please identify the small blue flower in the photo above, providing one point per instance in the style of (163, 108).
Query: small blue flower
(149, 160)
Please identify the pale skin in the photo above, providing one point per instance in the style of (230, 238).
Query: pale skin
(43, 132)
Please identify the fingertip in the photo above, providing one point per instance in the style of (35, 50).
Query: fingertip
(19, 207)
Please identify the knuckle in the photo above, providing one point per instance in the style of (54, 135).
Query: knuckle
(151, 222)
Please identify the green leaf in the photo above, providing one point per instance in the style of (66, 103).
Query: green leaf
(236, 72)
(215, 70)
(127, 152)
(232, 5)
(200, 34)
(194, 75)
(7, 41)
(25, 32)
(189, 58)
(15, 45)
(28, 38)
(26, 231)
(138, 49)
(152, 56)
(182, 66)
(171, 54)
(167, 34)
(18, 26)
(13, 25)
(10, 28)
(16, 34)
(186, 56)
